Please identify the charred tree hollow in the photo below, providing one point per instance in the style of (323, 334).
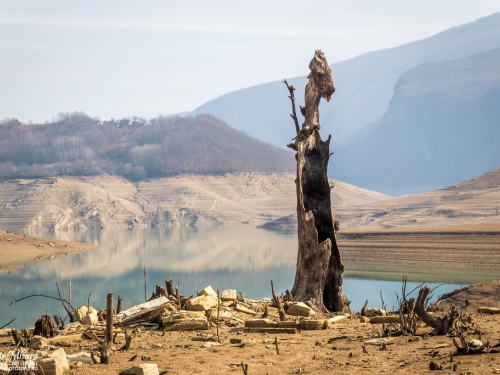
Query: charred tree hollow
(319, 275)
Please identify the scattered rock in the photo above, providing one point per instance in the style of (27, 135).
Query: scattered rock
(392, 319)
(80, 357)
(90, 319)
(435, 366)
(82, 311)
(299, 309)
(229, 295)
(380, 341)
(202, 303)
(37, 343)
(55, 364)
(184, 321)
(142, 369)
(244, 310)
(260, 323)
(374, 311)
(208, 291)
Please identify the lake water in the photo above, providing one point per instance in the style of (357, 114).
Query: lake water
(242, 258)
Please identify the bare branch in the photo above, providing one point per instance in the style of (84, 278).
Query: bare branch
(7, 323)
(291, 89)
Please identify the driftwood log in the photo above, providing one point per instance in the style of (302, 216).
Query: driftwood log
(440, 325)
(319, 275)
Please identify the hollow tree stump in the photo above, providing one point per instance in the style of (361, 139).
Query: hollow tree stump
(319, 275)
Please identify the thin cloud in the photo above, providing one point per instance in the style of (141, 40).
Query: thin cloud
(169, 27)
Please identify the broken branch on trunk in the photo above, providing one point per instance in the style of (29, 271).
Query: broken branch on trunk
(291, 89)
(277, 303)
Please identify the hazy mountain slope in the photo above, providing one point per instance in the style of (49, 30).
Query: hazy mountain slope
(364, 87)
(442, 126)
(474, 201)
(67, 203)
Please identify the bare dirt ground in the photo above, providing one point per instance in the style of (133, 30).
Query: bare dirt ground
(18, 250)
(456, 246)
(342, 348)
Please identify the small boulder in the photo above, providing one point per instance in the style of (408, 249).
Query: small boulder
(208, 291)
(55, 364)
(374, 311)
(83, 311)
(80, 357)
(37, 343)
(229, 295)
(299, 309)
(201, 303)
(142, 369)
(90, 319)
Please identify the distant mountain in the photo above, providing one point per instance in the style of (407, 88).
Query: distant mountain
(442, 126)
(78, 145)
(365, 86)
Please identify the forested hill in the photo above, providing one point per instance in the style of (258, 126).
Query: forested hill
(78, 145)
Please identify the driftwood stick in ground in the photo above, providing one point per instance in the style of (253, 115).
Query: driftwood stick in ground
(108, 337)
(119, 305)
(363, 310)
(18, 339)
(276, 344)
(218, 314)
(145, 286)
(440, 325)
(128, 340)
(88, 299)
(170, 287)
(69, 298)
(244, 367)
(278, 304)
(68, 308)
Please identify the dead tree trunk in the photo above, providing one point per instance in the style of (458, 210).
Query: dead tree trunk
(319, 274)
(108, 333)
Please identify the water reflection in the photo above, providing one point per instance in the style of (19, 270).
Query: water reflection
(242, 257)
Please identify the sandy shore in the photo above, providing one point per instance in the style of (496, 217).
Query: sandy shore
(18, 250)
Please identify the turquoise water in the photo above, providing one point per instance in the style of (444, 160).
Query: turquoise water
(242, 258)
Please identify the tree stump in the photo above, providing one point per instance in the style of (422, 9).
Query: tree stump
(319, 275)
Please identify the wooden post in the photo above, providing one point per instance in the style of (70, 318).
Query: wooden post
(145, 292)
(119, 305)
(108, 337)
(319, 275)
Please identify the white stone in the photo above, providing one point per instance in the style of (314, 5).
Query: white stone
(142, 369)
(80, 357)
(208, 291)
(90, 319)
(201, 303)
(229, 295)
(55, 364)
(82, 311)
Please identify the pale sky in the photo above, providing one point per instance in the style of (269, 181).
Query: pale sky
(117, 58)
